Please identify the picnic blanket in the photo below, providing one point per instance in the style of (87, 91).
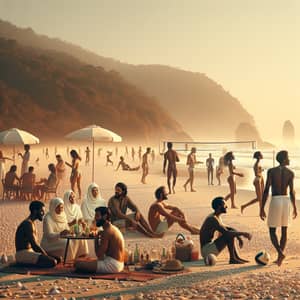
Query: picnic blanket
(68, 271)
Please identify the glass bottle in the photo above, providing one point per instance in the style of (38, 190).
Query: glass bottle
(136, 255)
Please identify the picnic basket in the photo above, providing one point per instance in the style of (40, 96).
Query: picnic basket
(183, 248)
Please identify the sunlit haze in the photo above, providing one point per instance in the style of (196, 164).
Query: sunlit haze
(251, 48)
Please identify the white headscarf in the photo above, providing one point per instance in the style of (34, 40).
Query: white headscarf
(72, 211)
(90, 203)
(57, 218)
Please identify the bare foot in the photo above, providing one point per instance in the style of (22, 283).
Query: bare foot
(192, 190)
(235, 262)
(184, 186)
(242, 209)
(158, 235)
(280, 259)
(243, 260)
(173, 190)
(194, 230)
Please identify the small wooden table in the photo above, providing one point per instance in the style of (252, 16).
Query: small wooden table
(74, 237)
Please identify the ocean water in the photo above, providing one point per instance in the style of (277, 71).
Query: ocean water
(244, 160)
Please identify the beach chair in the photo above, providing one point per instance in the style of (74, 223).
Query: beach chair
(50, 191)
(26, 193)
(9, 192)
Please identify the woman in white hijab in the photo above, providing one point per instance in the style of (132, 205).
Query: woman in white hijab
(93, 199)
(72, 209)
(55, 227)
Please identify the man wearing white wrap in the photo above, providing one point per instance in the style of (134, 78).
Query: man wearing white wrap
(280, 179)
(91, 202)
(72, 209)
(109, 247)
(55, 227)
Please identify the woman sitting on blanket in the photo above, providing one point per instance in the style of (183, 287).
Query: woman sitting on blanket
(55, 228)
(72, 210)
(93, 199)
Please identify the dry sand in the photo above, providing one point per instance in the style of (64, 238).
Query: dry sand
(222, 281)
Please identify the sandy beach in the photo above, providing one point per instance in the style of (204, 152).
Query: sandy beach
(221, 281)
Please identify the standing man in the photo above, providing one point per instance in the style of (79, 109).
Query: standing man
(210, 169)
(140, 153)
(220, 169)
(152, 156)
(171, 157)
(25, 159)
(145, 165)
(87, 155)
(47, 153)
(280, 179)
(191, 161)
(132, 153)
(28, 251)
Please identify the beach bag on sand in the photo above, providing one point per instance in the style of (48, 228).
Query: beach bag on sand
(183, 248)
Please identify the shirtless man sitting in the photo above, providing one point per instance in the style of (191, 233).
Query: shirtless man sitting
(171, 214)
(171, 157)
(125, 167)
(109, 247)
(226, 237)
(281, 179)
(28, 251)
(119, 203)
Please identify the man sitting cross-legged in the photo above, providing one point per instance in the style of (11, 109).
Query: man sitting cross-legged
(109, 247)
(28, 251)
(227, 236)
(171, 214)
(119, 203)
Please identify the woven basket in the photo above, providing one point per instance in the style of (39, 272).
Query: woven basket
(183, 252)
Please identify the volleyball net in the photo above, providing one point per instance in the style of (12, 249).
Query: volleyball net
(209, 146)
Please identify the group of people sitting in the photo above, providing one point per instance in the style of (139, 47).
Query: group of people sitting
(26, 185)
(94, 212)
(109, 242)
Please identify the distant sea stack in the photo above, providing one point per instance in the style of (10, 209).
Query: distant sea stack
(288, 133)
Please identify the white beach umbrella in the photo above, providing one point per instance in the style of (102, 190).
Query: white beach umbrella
(15, 136)
(94, 134)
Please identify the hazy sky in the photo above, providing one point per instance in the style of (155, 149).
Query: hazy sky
(250, 47)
